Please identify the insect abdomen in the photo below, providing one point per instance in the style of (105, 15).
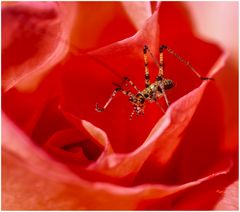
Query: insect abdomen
(149, 91)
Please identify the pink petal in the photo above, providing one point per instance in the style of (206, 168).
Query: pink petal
(138, 12)
(79, 148)
(72, 147)
(230, 198)
(26, 28)
(35, 109)
(211, 18)
(98, 23)
(49, 185)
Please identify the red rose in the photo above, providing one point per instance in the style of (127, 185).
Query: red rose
(59, 153)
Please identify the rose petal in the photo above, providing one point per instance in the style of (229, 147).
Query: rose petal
(143, 12)
(92, 131)
(26, 28)
(230, 198)
(203, 197)
(72, 147)
(98, 23)
(207, 16)
(35, 109)
(48, 185)
(206, 196)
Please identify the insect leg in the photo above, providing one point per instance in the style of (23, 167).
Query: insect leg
(116, 90)
(161, 63)
(132, 114)
(98, 109)
(135, 111)
(159, 78)
(187, 63)
(131, 83)
(151, 54)
(147, 76)
(160, 106)
(160, 83)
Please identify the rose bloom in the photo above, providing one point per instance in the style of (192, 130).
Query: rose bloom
(61, 58)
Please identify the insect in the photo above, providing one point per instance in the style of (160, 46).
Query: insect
(152, 91)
